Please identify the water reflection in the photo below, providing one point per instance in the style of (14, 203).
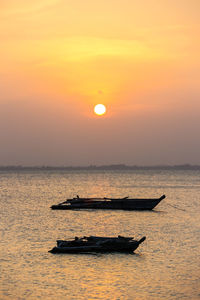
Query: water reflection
(165, 266)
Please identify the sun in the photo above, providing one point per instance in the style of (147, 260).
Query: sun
(99, 109)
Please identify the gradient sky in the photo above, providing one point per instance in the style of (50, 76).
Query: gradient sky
(141, 58)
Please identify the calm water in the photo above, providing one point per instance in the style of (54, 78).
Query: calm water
(165, 266)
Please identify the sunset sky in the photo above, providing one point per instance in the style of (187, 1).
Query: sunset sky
(140, 58)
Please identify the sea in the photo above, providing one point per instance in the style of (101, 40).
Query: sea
(165, 266)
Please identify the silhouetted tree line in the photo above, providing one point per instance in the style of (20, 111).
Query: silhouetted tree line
(113, 167)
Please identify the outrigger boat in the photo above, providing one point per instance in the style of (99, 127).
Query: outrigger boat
(98, 244)
(109, 203)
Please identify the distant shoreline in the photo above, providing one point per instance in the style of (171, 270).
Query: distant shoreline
(102, 167)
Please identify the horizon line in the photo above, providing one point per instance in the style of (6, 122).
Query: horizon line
(96, 167)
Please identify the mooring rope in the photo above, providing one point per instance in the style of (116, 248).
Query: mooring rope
(174, 206)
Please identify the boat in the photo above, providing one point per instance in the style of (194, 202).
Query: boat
(125, 203)
(97, 244)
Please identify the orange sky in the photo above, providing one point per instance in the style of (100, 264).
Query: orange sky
(60, 58)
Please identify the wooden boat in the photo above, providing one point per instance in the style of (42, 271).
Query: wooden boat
(97, 244)
(109, 203)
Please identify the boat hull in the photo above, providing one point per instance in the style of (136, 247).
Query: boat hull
(99, 245)
(88, 249)
(128, 204)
